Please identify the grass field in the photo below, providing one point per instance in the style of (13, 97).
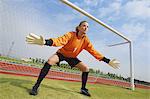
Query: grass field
(17, 87)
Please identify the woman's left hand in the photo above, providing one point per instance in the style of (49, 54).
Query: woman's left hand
(114, 63)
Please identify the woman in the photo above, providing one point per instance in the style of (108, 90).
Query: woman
(72, 44)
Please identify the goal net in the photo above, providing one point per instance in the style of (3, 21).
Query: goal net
(52, 19)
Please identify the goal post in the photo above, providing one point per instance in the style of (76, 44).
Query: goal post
(112, 30)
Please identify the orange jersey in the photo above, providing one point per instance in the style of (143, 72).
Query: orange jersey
(72, 46)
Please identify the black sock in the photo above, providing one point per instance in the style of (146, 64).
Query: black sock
(42, 75)
(84, 79)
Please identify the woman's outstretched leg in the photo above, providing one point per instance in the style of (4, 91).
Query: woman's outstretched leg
(43, 73)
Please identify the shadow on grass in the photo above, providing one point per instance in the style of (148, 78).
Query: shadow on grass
(16, 82)
(22, 84)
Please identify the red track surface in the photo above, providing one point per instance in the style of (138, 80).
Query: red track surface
(15, 69)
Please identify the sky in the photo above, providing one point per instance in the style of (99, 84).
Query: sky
(52, 18)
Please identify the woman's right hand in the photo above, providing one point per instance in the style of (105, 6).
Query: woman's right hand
(35, 39)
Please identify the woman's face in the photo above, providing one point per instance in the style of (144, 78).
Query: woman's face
(83, 28)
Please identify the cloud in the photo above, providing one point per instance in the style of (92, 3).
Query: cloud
(113, 9)
(84, 7)
(133, 30)
(64, 18)
(138, 9)
(91, 2)
(88, 5)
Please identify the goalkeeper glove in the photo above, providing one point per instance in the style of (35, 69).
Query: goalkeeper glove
(35, 39)
(113, 63)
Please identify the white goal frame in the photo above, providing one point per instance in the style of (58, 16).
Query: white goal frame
(112, 30)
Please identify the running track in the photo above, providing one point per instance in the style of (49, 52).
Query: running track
(22, 70)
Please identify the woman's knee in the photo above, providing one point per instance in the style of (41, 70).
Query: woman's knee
(83, 67)
(86, 69)
(53, 60)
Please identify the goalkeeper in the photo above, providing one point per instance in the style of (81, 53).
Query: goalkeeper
(72, 44)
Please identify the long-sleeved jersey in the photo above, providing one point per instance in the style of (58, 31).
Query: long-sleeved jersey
(72, 46)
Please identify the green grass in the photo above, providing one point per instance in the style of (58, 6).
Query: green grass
(17, 87)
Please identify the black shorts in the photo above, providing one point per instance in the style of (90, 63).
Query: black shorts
(71, 61)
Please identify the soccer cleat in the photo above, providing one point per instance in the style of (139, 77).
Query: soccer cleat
(84, 91)
(33, 92)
